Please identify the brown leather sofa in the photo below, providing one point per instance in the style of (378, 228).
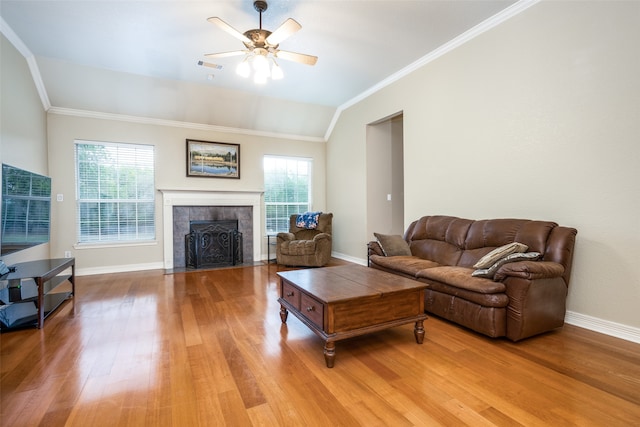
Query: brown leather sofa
(523, 299)
(305, 247)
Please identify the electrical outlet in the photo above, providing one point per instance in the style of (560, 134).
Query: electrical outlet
(67, 254)
(60, 197)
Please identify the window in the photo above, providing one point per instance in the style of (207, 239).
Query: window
(287, 190)
(115, 192)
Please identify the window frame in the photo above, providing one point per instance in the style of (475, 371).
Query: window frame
(283, 217)
(145, 219)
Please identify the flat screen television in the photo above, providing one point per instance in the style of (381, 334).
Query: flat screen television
(26, 209)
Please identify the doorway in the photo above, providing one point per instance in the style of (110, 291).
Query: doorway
(385, 176)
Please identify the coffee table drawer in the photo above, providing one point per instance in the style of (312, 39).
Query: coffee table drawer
(312, 309)
(291, 295)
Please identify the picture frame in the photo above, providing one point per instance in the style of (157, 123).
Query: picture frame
(206, 159)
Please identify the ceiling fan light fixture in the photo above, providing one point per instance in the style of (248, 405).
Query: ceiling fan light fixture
(261, 64)
(243, 69)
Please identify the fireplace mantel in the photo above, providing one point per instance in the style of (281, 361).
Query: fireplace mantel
(171, 198)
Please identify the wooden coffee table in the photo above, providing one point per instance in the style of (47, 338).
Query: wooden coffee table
(351, 300)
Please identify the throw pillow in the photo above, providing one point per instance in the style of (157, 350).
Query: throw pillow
(517, 256)
(393, 245)
(489, 259)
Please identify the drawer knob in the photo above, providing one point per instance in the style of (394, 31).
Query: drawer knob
(311, 308)
(289, 294)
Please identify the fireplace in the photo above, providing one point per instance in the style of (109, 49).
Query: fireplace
(213, 244)
(186, 217)
(182, 206)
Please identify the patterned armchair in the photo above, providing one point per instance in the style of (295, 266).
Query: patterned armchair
(307, 247)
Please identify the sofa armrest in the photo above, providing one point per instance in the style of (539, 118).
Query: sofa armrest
(537, 297)
(321, 236)
(535, 305)
(374, 248)
(531, 270)
(286, 237)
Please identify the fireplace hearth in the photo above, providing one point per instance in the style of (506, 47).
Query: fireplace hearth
(216, 243)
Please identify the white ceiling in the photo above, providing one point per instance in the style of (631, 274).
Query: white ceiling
(359, 43)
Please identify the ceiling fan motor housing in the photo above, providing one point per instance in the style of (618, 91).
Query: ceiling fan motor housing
(258, 39)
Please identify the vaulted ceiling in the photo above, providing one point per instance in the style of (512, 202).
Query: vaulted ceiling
(140, 58)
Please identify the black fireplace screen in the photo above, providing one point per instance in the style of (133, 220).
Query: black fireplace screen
(215, 243)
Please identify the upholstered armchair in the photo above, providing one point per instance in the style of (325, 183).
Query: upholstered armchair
(307, 247)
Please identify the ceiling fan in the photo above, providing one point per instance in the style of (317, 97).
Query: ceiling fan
(261, 46)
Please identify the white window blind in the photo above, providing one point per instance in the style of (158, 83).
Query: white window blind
(287, 190)
(115, 192)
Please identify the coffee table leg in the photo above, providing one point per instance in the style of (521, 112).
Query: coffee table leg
(418, 331)
(330, 353)
(283, 314)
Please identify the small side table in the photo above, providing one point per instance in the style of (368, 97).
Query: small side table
(269, 244)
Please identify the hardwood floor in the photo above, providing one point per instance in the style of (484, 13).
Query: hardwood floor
(208, 348)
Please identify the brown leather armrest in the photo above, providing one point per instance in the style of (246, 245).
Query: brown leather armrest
(530, 270)
(374, 248)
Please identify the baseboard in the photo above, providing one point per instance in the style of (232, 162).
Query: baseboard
(607, 327)
(349, 258)
(118, 269)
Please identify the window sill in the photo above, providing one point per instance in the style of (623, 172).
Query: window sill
(105, 245)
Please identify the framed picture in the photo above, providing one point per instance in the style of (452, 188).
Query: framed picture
(213, 159)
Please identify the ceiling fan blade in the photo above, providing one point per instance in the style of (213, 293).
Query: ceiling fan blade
(289, 27)
(229, 29)
(297, 57)
(226, 54)
(210, 65)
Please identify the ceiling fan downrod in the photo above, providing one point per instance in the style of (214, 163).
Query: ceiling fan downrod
(260, 6)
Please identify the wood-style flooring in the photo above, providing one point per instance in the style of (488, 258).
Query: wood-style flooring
(208, 349)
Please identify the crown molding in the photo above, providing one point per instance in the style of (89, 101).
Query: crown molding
(13, 38)
(468, 35)
(179, 124)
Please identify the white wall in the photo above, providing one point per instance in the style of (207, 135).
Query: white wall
(537, 118)
(23, 126)
(170, 145)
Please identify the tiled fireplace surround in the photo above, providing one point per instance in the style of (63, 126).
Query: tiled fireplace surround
(182, 206)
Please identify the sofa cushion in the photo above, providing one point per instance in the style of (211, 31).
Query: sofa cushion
(490, 272)
(408, 265)
(393, 245)
(298, 247)
(486, 300)
(438, 238)
(489, 259)
(460, 277)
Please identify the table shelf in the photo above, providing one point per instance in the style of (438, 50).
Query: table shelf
(48, 275)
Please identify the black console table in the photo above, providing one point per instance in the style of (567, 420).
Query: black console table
(47, 275)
